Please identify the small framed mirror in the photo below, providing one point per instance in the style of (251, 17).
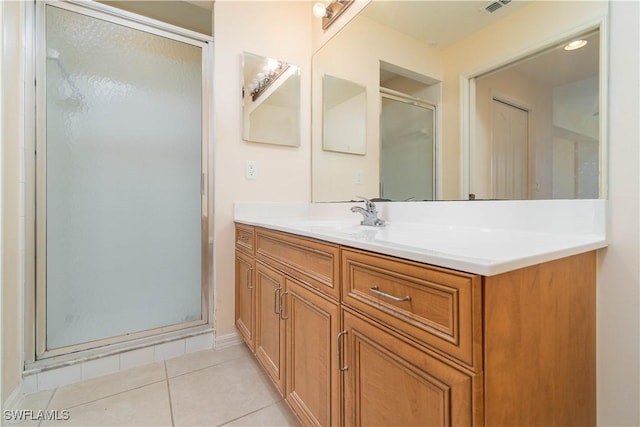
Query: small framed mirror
(270, 101)
(344, 120)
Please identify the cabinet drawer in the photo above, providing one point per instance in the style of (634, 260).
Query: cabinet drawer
(439, 307)
(244, 238)
(313, 263)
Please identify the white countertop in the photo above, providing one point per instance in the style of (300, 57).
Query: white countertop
(448, 234)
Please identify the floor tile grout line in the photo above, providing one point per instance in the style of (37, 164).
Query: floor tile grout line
(210, 366)
(115, 394)
(55, 390)
(277, 402)
(166, 377)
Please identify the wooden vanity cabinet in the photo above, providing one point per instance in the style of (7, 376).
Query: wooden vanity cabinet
(270, 332)
(297, 321)
(312, 375)
(524, 340)
(406, 343)
(413, 347)
(245, 285)
(540, 344)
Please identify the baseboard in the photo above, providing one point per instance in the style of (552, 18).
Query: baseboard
(112, 360)
(228, 340)
(13, 400)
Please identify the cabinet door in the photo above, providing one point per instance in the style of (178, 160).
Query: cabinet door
(245, 301)
(390, 382)
(313, 388)
(270, 328)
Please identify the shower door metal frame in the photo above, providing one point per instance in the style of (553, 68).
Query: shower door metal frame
(35, 331)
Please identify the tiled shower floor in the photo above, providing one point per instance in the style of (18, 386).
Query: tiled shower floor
(209, 388)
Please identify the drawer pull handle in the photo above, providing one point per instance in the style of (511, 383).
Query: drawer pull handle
(339, 352)
(282, 316)
(376, 290)
(276, 300)
(249, 284)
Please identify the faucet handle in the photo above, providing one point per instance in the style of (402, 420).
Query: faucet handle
(368, 203)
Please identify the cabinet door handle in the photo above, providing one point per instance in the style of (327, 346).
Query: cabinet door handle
(376, 290)
(276, 300)
(339, 352)
(281, 310)
(249, 284)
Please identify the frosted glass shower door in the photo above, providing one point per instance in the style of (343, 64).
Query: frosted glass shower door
(407, 146)
(122, 164)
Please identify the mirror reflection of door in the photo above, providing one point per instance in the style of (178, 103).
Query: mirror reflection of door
(407, 131)
(560, 88)
(510, 153)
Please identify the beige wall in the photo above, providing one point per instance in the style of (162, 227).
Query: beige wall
(2, 398)
(273, 29)
(13, 181)
(618, 300)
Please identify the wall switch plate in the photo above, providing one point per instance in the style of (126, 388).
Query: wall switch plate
(251, 170)
(358, 179)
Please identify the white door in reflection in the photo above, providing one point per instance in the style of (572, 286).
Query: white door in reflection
(407, 149)
(510, 151)
(120, 205)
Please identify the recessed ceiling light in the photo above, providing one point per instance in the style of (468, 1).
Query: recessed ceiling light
(576, 44)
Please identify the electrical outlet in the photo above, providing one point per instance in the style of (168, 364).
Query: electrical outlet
(251, 170)
(358, 179)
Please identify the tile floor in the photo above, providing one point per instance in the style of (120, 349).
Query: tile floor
(208, 388)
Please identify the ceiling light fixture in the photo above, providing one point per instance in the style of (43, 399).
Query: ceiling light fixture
(329, 10)
(576, 44)
(269, 73)
(319, 10)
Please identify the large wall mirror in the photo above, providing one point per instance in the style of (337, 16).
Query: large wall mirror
(466, 102)
(270, 101)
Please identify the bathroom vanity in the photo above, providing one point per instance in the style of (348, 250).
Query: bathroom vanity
(355, 334)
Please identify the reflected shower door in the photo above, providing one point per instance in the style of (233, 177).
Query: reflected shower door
(407, 133)
(120, 204)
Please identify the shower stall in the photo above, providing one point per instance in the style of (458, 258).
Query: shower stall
(121, 161)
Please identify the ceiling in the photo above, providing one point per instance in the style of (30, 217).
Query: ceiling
(205, 4)
(438, 23)
(194, 15)
(556, 66)
(441, 23)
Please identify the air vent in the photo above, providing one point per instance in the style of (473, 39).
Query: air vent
(494, 6)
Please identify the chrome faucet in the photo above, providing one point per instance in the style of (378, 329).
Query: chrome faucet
(369, 212)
